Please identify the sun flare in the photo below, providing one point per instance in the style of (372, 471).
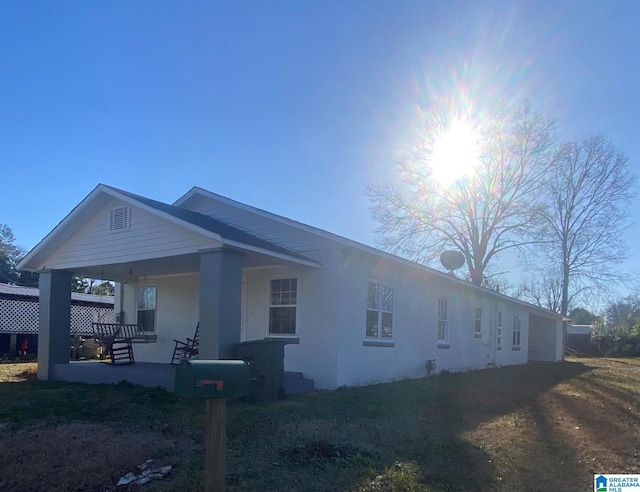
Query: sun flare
(454, 153)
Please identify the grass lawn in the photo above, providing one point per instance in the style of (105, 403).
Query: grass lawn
(534, 427)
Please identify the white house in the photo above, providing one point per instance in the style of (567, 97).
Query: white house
(352, 314)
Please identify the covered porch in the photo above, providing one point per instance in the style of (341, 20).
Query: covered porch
(151, 375)
(166, 298)
(173, 269)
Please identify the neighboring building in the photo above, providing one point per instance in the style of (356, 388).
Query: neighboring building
(579, 340)
(19, 316)
(579, 330)
(351, 314)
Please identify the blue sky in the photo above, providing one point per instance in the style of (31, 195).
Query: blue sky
(290, 106)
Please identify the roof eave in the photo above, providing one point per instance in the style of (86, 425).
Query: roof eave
(247, 247)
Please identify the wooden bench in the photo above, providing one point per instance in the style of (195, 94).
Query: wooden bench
(117, 339)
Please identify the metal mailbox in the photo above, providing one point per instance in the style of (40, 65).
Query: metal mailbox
(212, 379)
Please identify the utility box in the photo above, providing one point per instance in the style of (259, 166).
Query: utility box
(266, 360)
(212, 379)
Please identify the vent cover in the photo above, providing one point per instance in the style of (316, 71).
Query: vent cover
(120, 219)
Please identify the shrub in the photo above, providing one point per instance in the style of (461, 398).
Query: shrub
(619, 341)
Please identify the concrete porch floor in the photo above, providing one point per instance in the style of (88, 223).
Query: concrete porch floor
(149, 374)
(143, 373)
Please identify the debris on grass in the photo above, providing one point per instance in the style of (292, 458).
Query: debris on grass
(149, 470)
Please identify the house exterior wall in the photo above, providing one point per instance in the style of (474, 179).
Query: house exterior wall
(177, 310)
(415, 324)
(316, 317)
(176, 313)
(508, 354)
(545, 339)
(330, 345)
(148, 237)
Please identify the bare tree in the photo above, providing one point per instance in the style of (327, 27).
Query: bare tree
(543, 290)
(586, 211)
(481, 215)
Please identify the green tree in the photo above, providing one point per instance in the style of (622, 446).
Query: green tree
(582, 316)
(619, 335)
(79, 284)
(624, 313)
(92, 286)
(100, 287)
(10, 254)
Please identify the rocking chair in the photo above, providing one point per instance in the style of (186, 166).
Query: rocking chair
(187, 350)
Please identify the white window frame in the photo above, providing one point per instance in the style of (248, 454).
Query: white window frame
(477, 328)
(499, 331)
(155, 307)
(124, 219)
(380, 310)
(443, 321)
(517, 332)
(293, 305)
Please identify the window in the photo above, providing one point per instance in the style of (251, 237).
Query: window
(282, 311)
(443, 320)
(147, 309)
(516, 331)
(477, 332)
(499, 331)
(379, 311)
(120, 219)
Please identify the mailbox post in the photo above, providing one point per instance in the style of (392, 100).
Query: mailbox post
(215, 381)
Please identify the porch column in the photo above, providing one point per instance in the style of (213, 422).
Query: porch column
(55, 321)
(220, 311)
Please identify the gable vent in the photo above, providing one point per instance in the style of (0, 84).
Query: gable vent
(120, 219)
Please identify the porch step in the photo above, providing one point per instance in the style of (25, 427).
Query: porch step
(568, 350)
(295, 382)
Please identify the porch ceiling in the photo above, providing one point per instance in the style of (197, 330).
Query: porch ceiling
(172, 265)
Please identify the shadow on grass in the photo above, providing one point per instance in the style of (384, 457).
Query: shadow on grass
(410, 435)
(459, 403)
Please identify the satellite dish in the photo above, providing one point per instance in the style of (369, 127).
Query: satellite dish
(452, 260)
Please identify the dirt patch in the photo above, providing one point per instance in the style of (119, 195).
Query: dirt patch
(18, 372)
(586, 425)
(42, 458)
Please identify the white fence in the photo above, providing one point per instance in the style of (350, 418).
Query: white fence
(20, 315)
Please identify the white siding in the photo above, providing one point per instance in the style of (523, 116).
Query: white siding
(545, 339)
(176, 313)
(415, 322)
(316, 318)
(149, 237)
(508, 355)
